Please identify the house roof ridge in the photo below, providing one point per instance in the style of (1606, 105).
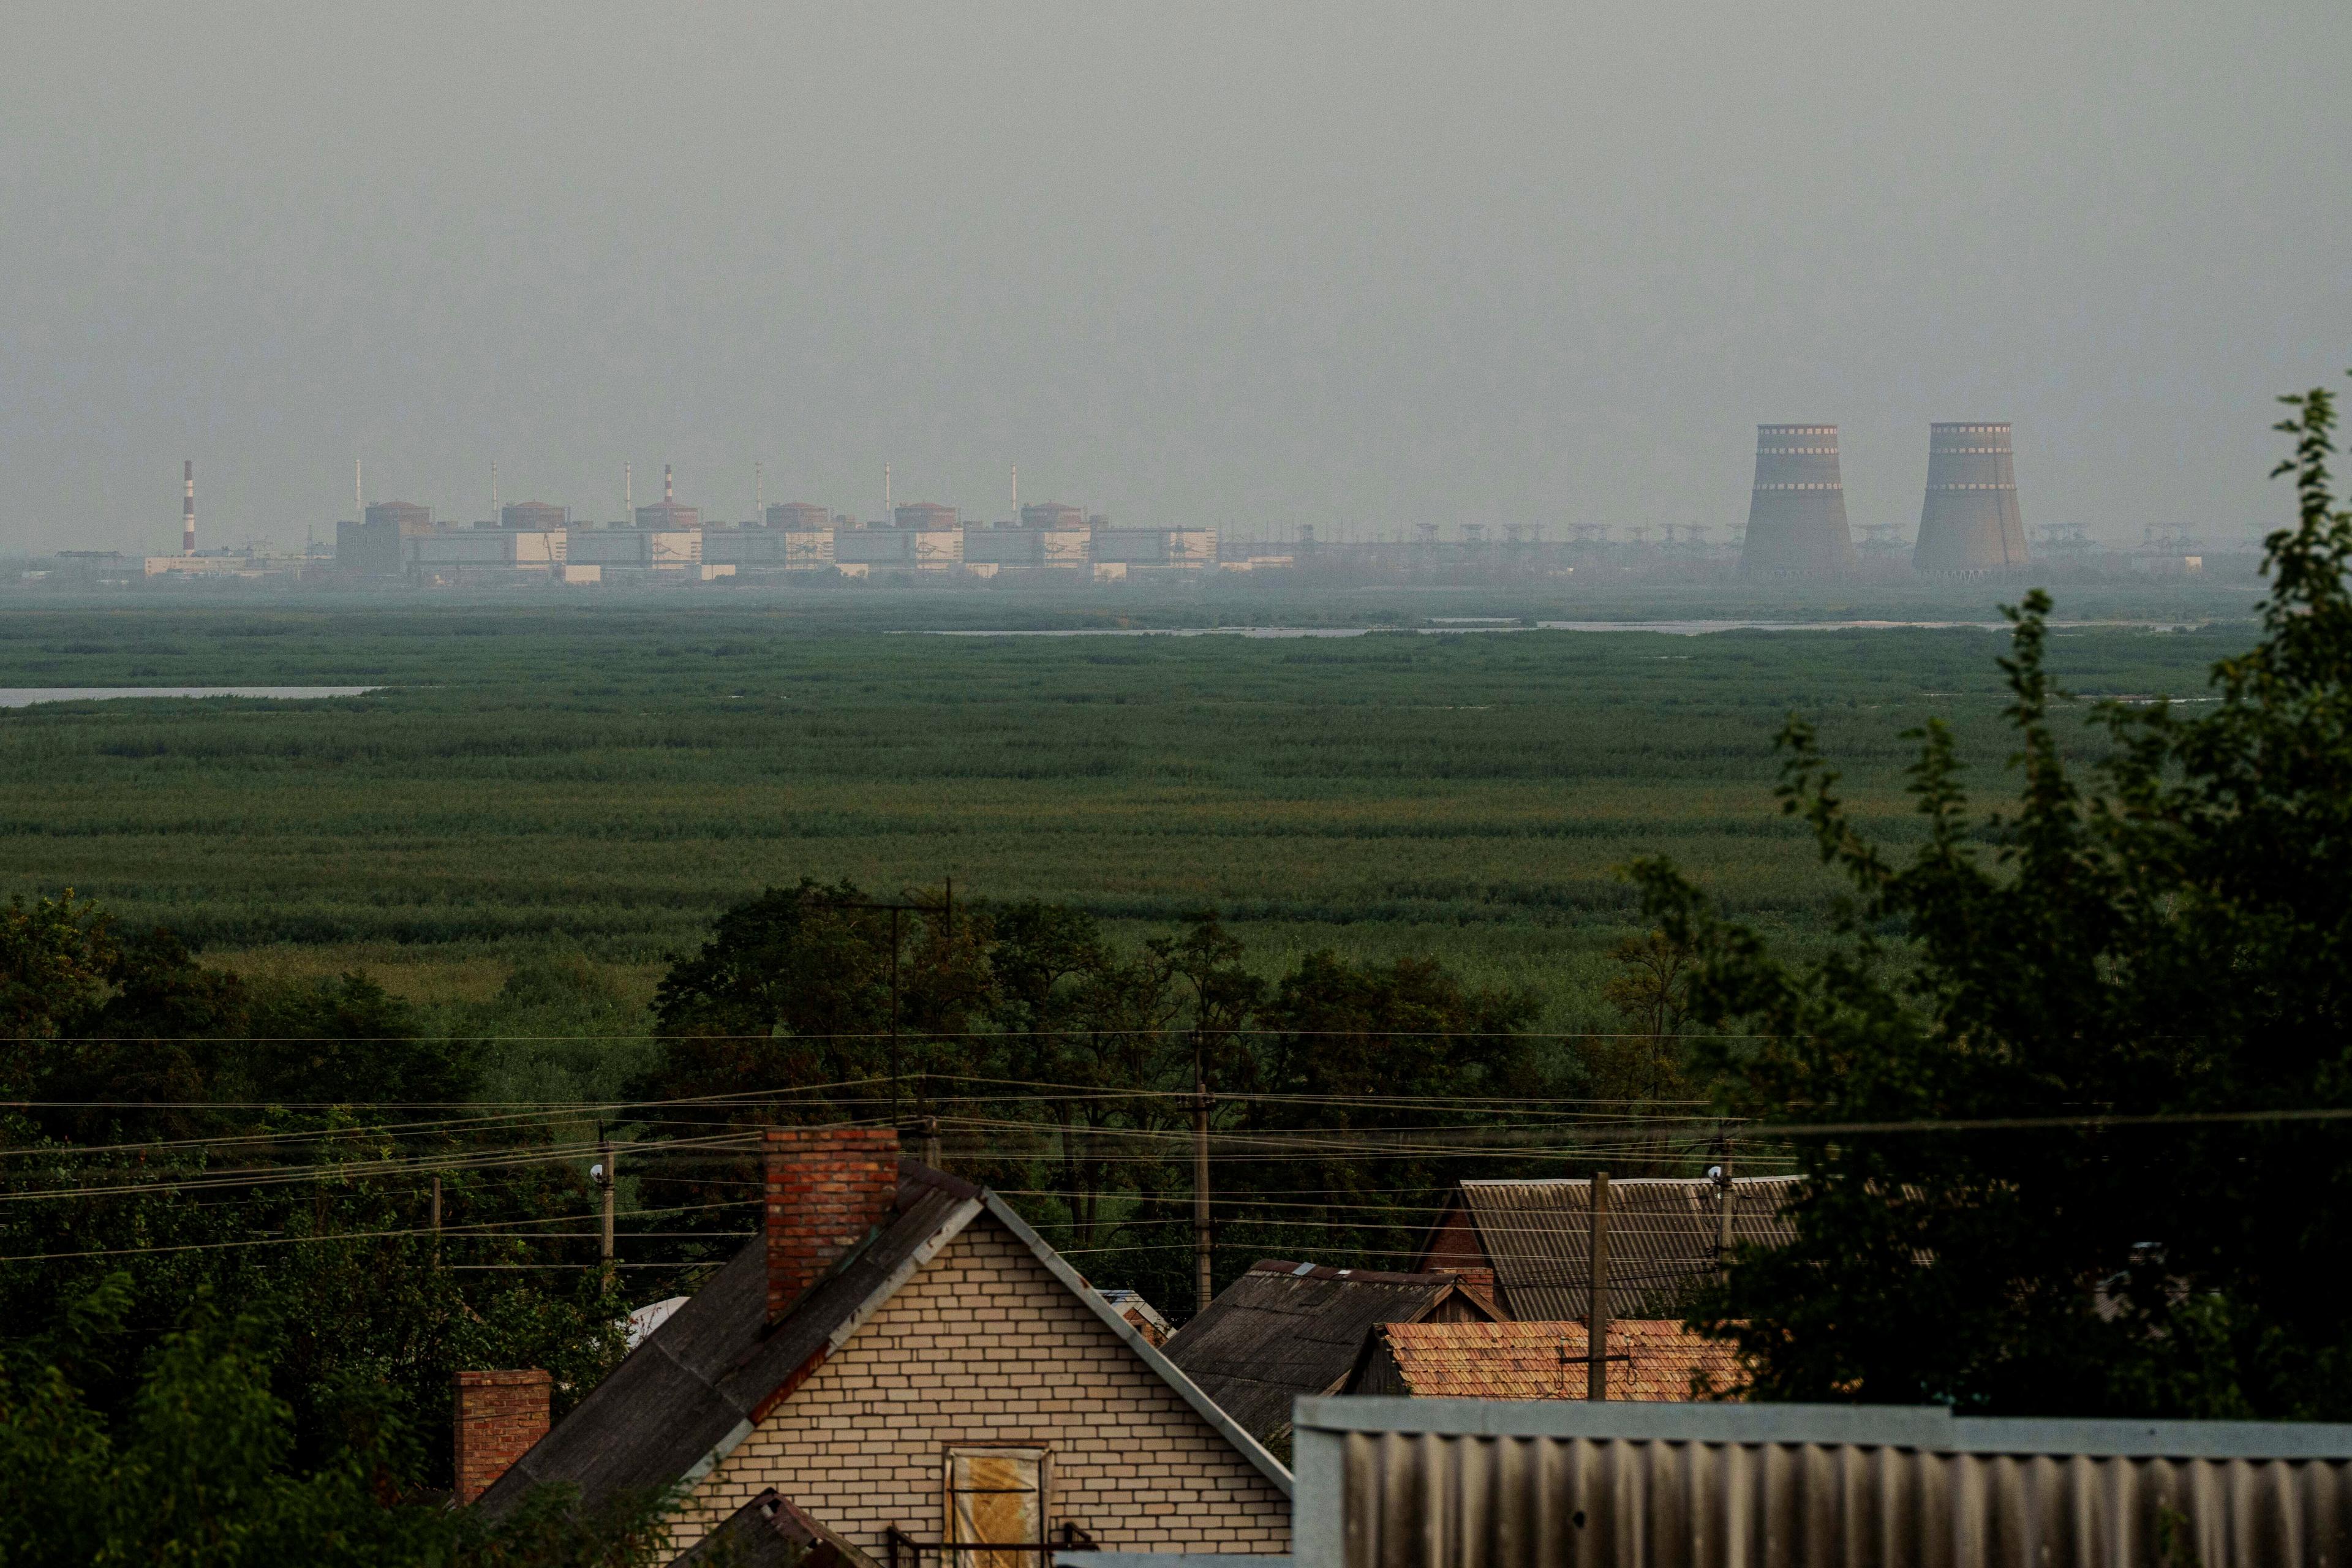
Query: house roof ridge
(1299, 1269)
(716, 1368)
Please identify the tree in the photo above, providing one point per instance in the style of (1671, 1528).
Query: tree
(201, 1466)
(1087, 1028)
(1651, 991)
(1353, 1048)
(795, 991)
(2126, 959)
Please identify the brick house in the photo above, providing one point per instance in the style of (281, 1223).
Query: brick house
(1652, 1361)
(904, 1361)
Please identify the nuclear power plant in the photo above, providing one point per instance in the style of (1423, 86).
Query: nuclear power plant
(1799, 533)
(1969, 521)
(1796, 512)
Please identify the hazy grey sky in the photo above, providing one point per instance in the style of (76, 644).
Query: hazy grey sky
(1360, 266)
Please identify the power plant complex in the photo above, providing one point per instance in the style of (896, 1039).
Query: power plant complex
(1798, 528)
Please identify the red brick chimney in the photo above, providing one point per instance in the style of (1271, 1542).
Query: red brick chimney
(499, 1415)
(827, 1188)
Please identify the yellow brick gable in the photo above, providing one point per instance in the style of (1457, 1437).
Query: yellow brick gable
(985, 1346)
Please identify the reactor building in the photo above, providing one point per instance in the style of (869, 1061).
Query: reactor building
(1969, 521)
(1796, 512)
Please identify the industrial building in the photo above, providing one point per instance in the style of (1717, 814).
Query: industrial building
(1052, 516)
(1969, 521)
(1005, 547)
(665, 514)
(799, 517)
(926, 517)
(1796, 511)
(1144, 547)
(863, 552)
(536, 515)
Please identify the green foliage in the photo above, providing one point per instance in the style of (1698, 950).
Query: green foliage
(57, 956)
(814, 988)
(1096, 1049)
(200, 1467)
(2161, 937)
(184, 1132)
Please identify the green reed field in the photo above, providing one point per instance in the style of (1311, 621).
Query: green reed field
(545, 782)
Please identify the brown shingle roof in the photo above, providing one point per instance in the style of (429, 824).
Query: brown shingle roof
(1546, 1361)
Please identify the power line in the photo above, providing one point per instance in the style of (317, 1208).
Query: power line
(484, 1230)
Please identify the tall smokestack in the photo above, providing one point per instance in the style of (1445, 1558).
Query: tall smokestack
(1796, 513)
(669, 495)
(188, 510)
(1969, 521)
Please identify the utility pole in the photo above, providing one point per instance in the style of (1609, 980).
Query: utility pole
(605, 1178)
(1723, 1218)
(436, 1222)
(1207, 1289)
(1596, 1313)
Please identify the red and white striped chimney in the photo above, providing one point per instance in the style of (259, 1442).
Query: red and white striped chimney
(188, 513)
(668, 495)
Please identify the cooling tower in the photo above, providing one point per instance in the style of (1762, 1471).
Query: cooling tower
(1796, 514)
(1970, 521)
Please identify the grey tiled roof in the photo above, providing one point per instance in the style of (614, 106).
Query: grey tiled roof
(772, 1532)
(1286, 1328)
(682, 1392)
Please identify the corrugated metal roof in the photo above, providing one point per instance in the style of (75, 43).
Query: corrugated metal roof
(1661, 1239)
(1546, 1361)
(1286, 1328)
(1413, 1483)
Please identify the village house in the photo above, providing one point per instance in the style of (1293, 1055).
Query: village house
(1284, 1329)
(1530, 1241)
(899, 1363)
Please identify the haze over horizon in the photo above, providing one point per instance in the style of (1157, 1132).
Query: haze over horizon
(1361, 267)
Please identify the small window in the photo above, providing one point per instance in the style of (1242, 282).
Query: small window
(996, 1496)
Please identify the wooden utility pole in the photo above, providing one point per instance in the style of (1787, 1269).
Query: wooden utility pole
(606, 1174)
(1596, 1314)
(436, 1222)
(1206, 1291)
(1723, 1220)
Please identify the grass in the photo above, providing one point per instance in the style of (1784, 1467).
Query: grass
(543, 783)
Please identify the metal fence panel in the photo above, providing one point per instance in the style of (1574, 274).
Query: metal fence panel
(1454, 1484)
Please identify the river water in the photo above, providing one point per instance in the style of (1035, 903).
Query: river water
(26, 696)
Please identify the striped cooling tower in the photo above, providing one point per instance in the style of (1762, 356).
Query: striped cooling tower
(1970, 521)
(1796, 514)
